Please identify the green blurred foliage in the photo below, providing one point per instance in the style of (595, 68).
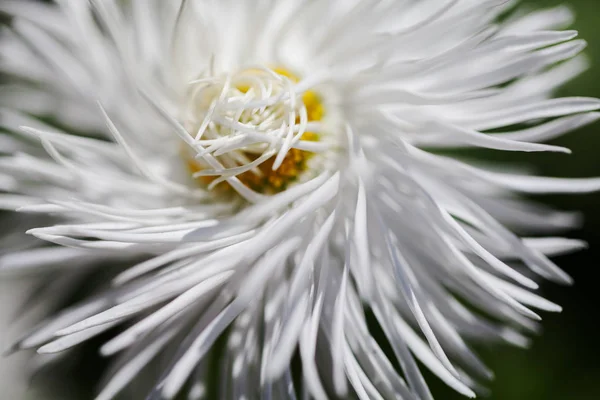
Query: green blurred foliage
(564, 361)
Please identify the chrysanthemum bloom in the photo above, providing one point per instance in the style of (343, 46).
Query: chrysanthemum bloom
(278, 173)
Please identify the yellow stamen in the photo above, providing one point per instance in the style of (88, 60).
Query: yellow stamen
(264, 179)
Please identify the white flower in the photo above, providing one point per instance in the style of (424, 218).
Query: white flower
(273, 171)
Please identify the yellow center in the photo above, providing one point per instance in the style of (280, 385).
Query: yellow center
(263, 178)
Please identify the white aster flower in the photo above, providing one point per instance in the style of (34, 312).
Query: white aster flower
(273, 172)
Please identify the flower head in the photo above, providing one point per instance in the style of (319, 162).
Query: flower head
(273, 172)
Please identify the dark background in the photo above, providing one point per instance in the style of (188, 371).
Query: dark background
(564, 361)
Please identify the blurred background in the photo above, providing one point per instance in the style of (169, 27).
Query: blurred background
(564, 361)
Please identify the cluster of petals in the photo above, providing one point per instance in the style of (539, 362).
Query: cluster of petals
(386, 231)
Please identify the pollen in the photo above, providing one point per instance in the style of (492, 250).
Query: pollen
(273, 119)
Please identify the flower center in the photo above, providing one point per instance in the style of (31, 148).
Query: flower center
(258, 125)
